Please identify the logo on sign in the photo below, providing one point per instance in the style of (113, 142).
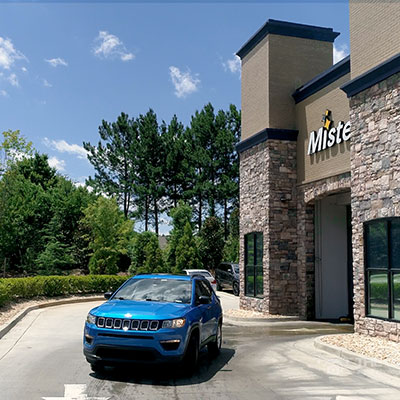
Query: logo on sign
(328, 135)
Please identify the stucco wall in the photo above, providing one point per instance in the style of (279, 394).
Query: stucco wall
(271, 72)
(374, 33)
(309, 112)
(255, 106)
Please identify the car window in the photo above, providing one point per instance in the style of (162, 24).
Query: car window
(208, 288)
(163, 290)
(198, 290)
(204, 289)
(224, 267)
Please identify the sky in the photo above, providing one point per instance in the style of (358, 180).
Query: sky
(65, 67)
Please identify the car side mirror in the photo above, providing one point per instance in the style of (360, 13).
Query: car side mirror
(204, 300)
(107, 295)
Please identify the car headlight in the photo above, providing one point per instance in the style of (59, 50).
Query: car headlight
(91, 319)
(174, 323)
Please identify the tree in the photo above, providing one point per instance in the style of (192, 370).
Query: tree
(211, 244)
(231, 249)
(13, 148)
(146, 255)
(114, 160)
(180, 215)
(150, 162)
(109, 235)
(25, 193)
(176, 164)
(187, 256)
(228, 168)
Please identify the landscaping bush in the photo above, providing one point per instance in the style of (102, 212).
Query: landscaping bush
(12, 289)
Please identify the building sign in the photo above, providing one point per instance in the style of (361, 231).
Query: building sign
(328, 135)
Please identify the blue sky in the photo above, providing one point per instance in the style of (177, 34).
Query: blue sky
(65, 67)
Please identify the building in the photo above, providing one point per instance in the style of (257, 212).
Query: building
(320, 171)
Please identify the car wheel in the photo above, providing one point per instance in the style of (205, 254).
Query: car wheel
(236, 289)
(97, 367)
(192, 355)
(219, 286)
(214, 348)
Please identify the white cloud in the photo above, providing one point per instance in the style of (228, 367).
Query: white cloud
(46, 83)
(184, 82)
(59, 165)
(339, 53)
(110, 46)
(13, 80)
(55, 62)
(8, 53)
(63, 147)
(233, 65)
(3, 93)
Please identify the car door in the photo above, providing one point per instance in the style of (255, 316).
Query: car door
(214, 310)
(207, 315)
(203, 310)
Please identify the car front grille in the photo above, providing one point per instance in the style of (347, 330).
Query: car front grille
(128, 324)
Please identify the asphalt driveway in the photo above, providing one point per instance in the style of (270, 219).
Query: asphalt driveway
(42, 358)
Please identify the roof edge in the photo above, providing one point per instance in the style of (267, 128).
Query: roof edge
(322, 80)
(264, 135)
(285, 28)
(373, 76)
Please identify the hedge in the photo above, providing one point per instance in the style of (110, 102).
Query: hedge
(12, 289)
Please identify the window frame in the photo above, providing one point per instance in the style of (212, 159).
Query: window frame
(390, 271)
(255, 264)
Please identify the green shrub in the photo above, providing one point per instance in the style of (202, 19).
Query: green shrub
(12, 289)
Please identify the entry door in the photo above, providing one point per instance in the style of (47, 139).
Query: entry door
(331, 259)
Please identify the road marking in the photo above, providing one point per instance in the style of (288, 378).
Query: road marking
(75, 392)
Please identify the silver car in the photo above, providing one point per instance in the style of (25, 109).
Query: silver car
(204, 273)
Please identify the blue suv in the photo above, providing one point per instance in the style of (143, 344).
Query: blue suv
(154, 318)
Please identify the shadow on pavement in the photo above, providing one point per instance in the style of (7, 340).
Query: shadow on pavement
(168, 374)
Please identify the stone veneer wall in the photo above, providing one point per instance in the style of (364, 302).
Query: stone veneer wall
(375, 181)
(306, 196)
(268, 205)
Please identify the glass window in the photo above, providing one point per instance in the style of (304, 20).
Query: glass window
(377, 256)
(396, 296)
(395, 243)
(253, 265)
(382, 268)
(379, 294)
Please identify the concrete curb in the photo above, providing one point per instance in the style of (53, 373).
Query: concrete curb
(358, 359)
(4, 329)
(245, 319)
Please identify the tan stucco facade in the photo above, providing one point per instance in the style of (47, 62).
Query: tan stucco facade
(271, 72)
(374, 33)
(309, 113)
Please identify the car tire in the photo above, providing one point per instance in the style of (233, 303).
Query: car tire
(219, 287)
(214, 348)
(191, 357)
(236, 289)
(97, 367)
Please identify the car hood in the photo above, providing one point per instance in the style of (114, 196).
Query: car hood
(140, 309)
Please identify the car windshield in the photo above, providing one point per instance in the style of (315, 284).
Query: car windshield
(156, 289)
(236, 268)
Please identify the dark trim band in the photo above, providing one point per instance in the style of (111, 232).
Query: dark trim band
(264, 135)
(322, 80)
(288, 29)
(373, 76)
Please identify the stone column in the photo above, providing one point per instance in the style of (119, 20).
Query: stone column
(268, 204)
(375, 181)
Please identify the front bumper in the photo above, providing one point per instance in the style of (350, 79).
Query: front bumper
(111, 347)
